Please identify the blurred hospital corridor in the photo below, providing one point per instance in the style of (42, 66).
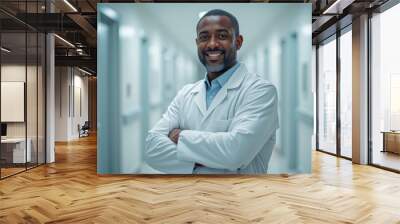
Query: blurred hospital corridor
(151, 53)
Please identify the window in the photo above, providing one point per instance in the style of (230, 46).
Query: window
(385, 89)
(346, 94)
(327, 96)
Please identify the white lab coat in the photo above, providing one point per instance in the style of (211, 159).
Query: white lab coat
(236, 134)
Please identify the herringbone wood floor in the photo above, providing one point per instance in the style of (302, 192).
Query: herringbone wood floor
(69, 191)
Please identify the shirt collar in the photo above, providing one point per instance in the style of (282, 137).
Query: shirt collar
(222, 79)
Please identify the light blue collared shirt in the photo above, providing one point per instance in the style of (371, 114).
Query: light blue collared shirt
(213, 88)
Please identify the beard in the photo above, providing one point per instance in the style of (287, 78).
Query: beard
(215, 68)
(228, 56)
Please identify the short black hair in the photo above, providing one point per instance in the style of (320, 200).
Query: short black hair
(220, 12)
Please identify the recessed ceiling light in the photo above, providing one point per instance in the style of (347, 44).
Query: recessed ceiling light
(64, 40)
(337, 7)
(84, 71)
(70, 5)
(5, 50)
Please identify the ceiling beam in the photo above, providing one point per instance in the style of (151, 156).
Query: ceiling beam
(86, 27)
(82, 61)
(337, 6)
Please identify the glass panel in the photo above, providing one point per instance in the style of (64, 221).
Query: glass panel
(386, 89)
(327, 97)
(346, 94)
(31, 97)
(13, 87)
(23, 88)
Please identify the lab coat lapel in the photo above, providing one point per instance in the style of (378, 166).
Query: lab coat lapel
(233, 82)
(200, 97)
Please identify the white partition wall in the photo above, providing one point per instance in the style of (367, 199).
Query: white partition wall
(71, 102)
(12, 98)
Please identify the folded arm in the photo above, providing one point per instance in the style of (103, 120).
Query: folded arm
(161, 151)
(254, 123)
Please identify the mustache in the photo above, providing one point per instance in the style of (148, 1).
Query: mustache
(206, 51)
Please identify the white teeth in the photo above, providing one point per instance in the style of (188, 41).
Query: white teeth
(214, 54)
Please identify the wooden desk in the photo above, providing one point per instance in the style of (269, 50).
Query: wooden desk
(391, 141)
(13, 150)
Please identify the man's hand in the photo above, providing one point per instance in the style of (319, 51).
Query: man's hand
(174, 135)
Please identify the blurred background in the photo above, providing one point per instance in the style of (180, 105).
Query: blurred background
(147, 53)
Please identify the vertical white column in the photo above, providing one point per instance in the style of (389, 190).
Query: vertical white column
(50, 93)
(50, 99)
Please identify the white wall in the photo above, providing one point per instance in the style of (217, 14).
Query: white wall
(68, 82)
(61, 103)
(15, 72)
(33, 126)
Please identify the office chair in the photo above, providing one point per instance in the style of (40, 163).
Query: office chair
(84, 130)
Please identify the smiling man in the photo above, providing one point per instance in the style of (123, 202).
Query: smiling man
(225, 123)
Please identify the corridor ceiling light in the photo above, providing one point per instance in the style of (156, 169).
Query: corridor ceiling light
(64, 40)
(86, 72)
(5, 50)
(70, 5)
(110, 13)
